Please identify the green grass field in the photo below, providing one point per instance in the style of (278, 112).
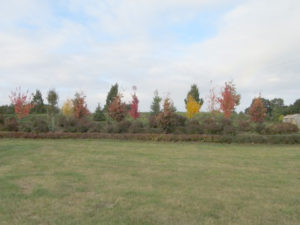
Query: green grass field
(91, 182)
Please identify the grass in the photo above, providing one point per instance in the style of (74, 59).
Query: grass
(70, 182)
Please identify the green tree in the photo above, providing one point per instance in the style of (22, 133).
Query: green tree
(194, 92)
(155, 106)
(38, 103)
(294, 108)
(113, 92)
(52, 108)
(99, 114)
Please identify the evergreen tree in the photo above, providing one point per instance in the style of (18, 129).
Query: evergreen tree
(38, 103)
(194, 92)
(113, 92)
(52, 108)
(99, 114)
(155, 107)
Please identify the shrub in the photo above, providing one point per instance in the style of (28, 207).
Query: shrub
(73, 125)
(25, 127)
(40, 126)
(227, 127)
(136, 127)
(260, 128)
(83, 125)
(211, 126)
(245, 125)
(254, 139)
(281, 128)
(67, 124)
(178, 120)
(11, 124)
(2, 119)
(122, 127)
(153, 123)
(194, 127)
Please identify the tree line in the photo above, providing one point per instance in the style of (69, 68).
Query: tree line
(260, 109)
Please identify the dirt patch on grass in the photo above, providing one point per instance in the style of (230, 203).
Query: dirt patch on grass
(26, 186)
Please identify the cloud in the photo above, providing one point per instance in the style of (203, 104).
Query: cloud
(87, 46)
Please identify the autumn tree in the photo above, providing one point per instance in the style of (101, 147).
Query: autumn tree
(68, 108)
(80, 106)
(155, 106)
(229, 99)
(37, 102)
(194, 92)
(164, 118)
(212, 101)
(134, 105)
(52, 99)
(192, 107)
(99, 114)
(257, 110)
(113, 92)
(21, 102)
(117, 109)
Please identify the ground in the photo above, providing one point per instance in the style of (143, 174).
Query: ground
(69, 182)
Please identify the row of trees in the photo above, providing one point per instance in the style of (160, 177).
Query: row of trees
(226, 102)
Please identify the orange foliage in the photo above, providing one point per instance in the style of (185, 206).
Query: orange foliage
(22, 103)
(229, 99)
(257, 110)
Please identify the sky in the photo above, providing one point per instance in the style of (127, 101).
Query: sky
(165, 45)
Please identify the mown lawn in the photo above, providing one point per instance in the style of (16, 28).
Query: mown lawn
(93, 182)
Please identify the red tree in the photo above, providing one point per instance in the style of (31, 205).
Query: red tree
(257, 110)
(21, 102)
(80, 106)
(117, 109)
(229, 99)
(134, 106)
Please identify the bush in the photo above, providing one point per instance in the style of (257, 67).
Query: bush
(227, 127)
(260, 128)
(11, 124)
(25, 127)
(75, 125)
(136, 127)
(2, 119)
(96, 128)
(153, 121)
(211, 126)
(194, 127)
(281, 128)
(122, 127)
(245, 125)
(254, 139)
(40, 126)
(83, 125)
(67, 124)
(178, 120)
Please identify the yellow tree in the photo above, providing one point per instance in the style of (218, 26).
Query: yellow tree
(192, 107)
(68, 108)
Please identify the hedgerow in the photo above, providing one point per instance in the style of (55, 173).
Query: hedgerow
(252, 139)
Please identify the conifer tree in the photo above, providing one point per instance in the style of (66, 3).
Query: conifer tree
(155, 106)
(99, 114)
(113, 92)
(194, 92)
(38, 103)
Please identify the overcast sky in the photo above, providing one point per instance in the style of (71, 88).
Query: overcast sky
(88, 45)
